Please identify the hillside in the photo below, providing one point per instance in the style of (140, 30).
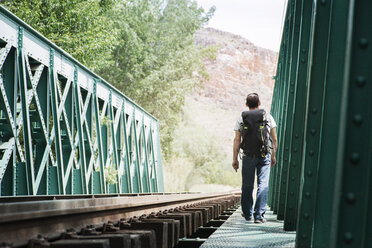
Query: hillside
(240, 68)
(210, 112)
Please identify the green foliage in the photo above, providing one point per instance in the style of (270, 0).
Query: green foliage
(198, 159)
(81, 27)
(105, 120)
(176, 173)
(198, 156)
(156, 62)
(111, 174)
(206, 157)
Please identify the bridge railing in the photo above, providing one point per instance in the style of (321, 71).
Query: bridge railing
(322, 184)
(65, 130)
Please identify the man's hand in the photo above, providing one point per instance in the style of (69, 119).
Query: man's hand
(273, 160)
(235, 165)
(236, 148)
(275, 145)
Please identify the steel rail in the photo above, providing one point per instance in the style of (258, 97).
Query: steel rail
(23, 220)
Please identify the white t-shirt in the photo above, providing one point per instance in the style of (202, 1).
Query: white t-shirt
(270, 123)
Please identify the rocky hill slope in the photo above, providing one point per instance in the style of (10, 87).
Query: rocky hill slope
(240, 68)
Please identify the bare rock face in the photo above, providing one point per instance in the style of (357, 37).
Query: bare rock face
(240, 68)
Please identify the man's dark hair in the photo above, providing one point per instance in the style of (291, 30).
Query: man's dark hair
(252, 100)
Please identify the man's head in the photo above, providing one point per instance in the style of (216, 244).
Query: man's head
(253, 101)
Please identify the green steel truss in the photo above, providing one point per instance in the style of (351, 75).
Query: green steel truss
(321, 186)
(64, 130)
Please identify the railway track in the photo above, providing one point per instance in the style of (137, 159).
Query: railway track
(122, 220)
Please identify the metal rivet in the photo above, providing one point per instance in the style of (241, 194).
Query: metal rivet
(293, 178)
(296, 136)
(350, 198)
(284, 170)
(309, 173)
(358, 120)
(286, 159)
(303, 60)
(363, 43)
(314, 110)
(292, 91)
(323, 2)
(313, 131)
(307, 194)
(355, 157)
(286, 148)
(284, 181)
(361, 81)
(348, 237)
(304, 236)
(292, 193)
(306, 216)
(311, 153)
(303, 50)
(295, 150)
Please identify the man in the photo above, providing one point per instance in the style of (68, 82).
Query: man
(252, 161)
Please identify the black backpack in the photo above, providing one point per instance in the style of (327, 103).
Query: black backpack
(255, 133)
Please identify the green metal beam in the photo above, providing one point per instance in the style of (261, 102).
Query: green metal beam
(292, 81)
(351, 217)
(299, 110)
(284, 132)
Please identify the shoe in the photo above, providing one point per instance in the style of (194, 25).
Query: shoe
(259, 221)
(246, 218)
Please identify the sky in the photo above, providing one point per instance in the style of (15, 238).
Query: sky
(259, 21)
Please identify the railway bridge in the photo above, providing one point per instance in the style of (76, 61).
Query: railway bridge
(63, 129)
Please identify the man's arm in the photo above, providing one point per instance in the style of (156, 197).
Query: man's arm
(275, 145)
(236, 148)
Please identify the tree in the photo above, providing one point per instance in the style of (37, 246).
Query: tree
(156, 61)
(81, 27)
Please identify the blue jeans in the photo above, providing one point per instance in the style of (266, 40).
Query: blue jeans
(262, 168)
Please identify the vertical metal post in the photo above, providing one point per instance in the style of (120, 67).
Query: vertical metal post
(80, 127)
(350, 225)
(284, 132)
(154, 169)
(158, 162)
(113, 140)
(292, 81)
(16, 85)
(319, 51)
(274, 176)
(99, 139)
(127, 151)
(137, 170)
(276, 114)
(272, 170)
(47, 123)
(56, 125)
(299, 110)
(25, 114)
(146, 161)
